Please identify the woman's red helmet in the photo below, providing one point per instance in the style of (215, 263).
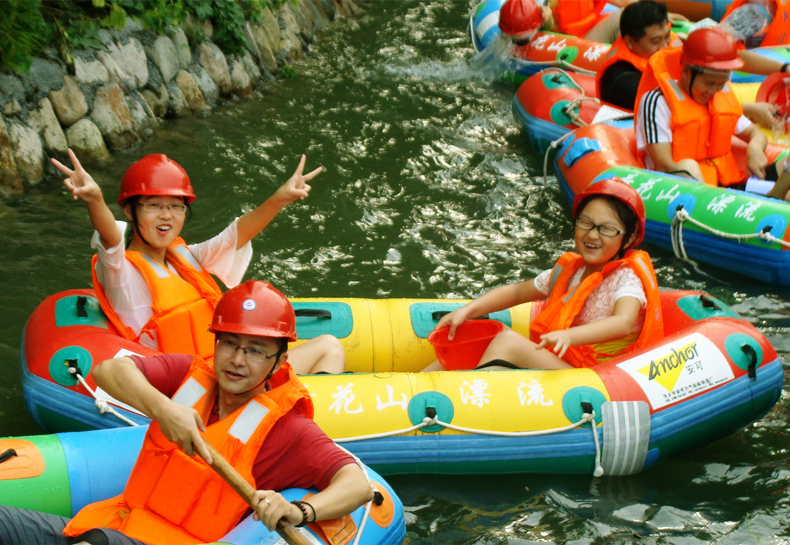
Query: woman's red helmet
(617, 188)
(155, 175)
(520, 17)
(255, 308)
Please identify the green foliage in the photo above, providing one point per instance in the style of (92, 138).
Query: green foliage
(23, 33)
(29, 26)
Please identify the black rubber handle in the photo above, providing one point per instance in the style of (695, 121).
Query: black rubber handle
(314, 313)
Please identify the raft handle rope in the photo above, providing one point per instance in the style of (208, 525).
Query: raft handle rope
(681, 216)
(432, 419)
(100, 403)
(7, 455)
(752, 369)
(569, 110)
(554, 145)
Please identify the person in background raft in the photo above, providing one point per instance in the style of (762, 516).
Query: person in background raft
(602, 301)
(160, 291)
(688, 115)
(249, 405)
(645, 30)
(758, 23)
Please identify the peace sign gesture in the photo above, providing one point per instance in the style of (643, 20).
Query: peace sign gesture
(296, 187)
(79, 182)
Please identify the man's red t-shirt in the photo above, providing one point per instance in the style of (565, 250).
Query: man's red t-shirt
(295, 454)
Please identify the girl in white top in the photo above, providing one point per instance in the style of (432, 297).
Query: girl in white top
(157, 220)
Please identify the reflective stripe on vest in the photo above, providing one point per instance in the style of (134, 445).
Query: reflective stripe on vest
(189, 393)
(248, 421)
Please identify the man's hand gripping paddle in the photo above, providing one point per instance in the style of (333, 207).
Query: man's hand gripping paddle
(284, 528)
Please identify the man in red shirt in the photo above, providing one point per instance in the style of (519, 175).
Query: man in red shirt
(248, 404)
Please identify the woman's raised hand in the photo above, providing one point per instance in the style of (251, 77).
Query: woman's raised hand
(296, 187)
(79, 182)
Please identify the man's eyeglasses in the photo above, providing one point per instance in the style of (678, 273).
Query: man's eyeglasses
(228, 348)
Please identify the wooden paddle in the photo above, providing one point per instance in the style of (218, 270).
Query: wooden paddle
(285, 529)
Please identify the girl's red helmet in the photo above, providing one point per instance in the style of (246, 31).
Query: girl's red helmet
(617, 188)
(255, 308)
(155, 175)
(519, 17)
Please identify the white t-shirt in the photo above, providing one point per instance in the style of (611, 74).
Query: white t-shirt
(622, 282)
(654, 128)
(128, 292)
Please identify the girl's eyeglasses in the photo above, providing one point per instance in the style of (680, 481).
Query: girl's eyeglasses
(605, 230)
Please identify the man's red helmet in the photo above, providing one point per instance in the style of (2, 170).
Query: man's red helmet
(711, 48)
(255, 308)
(519, 17)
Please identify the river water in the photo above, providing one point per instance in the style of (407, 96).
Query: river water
(429, 191)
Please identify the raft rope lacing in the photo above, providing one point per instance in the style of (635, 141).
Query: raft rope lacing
(100, 403)
(432, 421)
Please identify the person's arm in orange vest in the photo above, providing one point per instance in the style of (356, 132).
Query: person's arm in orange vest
(663, 161)
(756, 161)
(492, 301)
(82, 186)
(252, 223)
(121, 378)
(616, 326)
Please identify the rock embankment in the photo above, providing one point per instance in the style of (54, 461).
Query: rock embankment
(115, 97)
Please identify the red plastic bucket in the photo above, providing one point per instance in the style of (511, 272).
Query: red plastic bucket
(467, 347)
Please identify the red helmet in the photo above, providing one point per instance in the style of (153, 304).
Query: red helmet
(617, 188)
(711, 47)
(155, 174)
(255, 308)
(518, 17)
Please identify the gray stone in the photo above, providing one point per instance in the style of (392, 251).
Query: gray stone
(130, 57)
(86, 141)
(111, 114)
(204, 82)
(156, 100)
(251, 68)
(177, 105)
(328, 7)
(46, 75)
(179, 39)
(11, 88)
(144, 120)
(12, 108)
(261, 46)
(90, 72)
(320, 17)
(69, 103)
(28, 152)
(10, 181)
(191, 91)
(304, 18)
(271, 28)
(216, 65)
(242, 85)
(115, 72)
(44, 122)
(290, 44)
(165, 56)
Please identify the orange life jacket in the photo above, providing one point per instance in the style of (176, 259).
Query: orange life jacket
(175, 499)
(564, 305)
(778, 31)
(620, 52)
(577, 17)
(700, 132)
(182, 305)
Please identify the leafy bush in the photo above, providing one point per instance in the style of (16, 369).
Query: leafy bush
(29, 26)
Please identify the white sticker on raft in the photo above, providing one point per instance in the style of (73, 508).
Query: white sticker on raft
(679, 370)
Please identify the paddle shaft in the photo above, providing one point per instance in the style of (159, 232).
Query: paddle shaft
(284, 528)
